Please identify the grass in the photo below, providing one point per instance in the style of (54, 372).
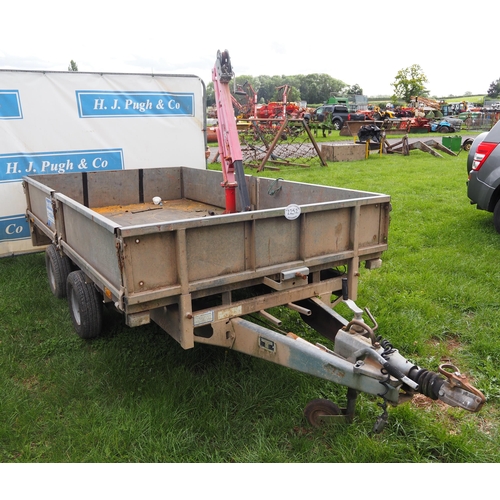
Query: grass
(133, 395)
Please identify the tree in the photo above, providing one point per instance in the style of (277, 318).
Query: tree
(270, 88)
(210, 93)
(72, 66)
(355, 90)
(494, 89)
(266, 87)
(292, 94)
(410, 82)
(316, 88)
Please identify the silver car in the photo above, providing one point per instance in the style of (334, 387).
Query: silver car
(483, 167)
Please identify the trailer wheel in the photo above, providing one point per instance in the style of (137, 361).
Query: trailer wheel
(318, 408)
(58, 269)
(467, 144)
(85, 305)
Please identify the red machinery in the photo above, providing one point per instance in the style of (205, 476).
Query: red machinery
(227, 136)
(248, 108)
(273, 109)
(280, 109)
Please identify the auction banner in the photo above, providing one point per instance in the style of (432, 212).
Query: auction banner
(59, 122)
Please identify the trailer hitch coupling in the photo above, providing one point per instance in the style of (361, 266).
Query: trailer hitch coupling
(353, 342)
(454, 390)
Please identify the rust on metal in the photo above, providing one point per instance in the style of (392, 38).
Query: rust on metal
(169, 210)
(457, 379)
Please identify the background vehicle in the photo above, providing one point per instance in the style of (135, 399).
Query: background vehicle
(483, 167)
(446, 125)
(338, 113)
(473, 115)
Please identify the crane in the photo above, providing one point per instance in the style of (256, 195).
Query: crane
(227, 136)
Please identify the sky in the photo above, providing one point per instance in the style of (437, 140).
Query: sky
(360, 42)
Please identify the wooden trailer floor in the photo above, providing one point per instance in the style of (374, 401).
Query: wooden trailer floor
(168, 211)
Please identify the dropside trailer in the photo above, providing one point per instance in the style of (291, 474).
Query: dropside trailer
(158, 245)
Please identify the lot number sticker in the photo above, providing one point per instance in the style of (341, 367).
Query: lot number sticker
(292, 211)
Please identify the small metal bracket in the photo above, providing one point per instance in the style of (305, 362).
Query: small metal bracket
(289, 279)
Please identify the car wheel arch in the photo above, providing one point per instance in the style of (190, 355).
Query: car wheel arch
(495, 198)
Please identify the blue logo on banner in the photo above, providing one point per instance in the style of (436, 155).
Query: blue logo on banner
(13, 167)
(95, 104)
(14, 227)
(10, 105)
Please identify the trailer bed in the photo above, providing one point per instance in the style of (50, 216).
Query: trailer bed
(168, 211)
(189, 261)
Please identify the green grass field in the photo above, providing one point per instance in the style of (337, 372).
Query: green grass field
(133, 395)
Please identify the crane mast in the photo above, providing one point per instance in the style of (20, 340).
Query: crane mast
(227, 136)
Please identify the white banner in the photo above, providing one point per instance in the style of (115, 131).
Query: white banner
(58, 122)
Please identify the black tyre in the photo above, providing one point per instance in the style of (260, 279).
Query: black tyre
(85, 305)
(496, 217)
(444, 129)
(58, 269)
(336, 124)
(318, 408)
(467, 144)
